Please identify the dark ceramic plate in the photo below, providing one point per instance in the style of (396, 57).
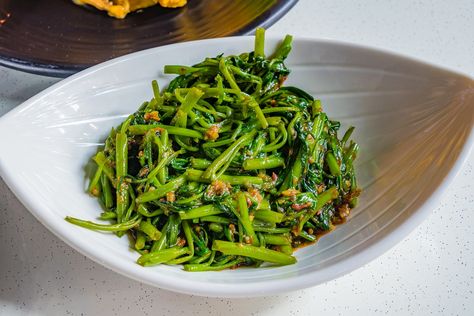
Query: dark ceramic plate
(58, 38)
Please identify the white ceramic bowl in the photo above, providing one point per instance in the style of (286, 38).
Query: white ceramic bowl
(413, 122)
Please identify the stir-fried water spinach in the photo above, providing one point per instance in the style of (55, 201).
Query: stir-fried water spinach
(226, 167)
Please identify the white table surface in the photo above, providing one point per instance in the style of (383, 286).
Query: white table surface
(429, 272)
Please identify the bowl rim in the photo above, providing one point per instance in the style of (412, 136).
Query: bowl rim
(384, 242)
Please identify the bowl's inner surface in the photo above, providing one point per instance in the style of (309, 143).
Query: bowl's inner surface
(411, 122)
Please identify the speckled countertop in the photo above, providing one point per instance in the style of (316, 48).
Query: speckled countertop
(429, 272)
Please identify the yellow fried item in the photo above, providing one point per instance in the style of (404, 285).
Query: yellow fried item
(120, 8)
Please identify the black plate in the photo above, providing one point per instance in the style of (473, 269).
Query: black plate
(58, 38)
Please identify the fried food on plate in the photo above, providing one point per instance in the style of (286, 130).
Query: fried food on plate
(120, 8)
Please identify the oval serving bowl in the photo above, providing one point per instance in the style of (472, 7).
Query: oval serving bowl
(414, 123)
